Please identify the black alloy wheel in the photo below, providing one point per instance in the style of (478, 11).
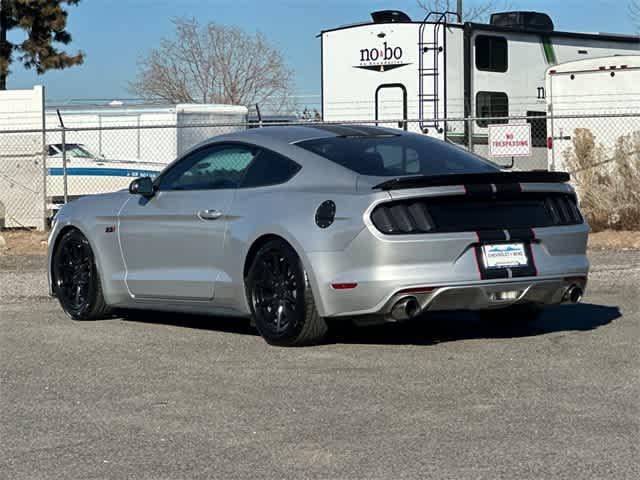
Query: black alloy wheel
(281, 301)
(75, 278)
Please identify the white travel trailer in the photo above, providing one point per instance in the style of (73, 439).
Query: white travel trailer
(108, 146)
(605, 86)
(120, 132)
(434, 70)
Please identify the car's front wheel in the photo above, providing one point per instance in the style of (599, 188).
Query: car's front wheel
(76, 282)
(280, 298)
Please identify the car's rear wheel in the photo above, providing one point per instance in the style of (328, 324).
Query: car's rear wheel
(516, 314)
(76, 282)
(280, 298)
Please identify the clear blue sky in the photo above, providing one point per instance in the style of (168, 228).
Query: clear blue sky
(115, 33)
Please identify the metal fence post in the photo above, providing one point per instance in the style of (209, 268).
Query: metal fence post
(45, 158)
(470, 134)
(64, 159)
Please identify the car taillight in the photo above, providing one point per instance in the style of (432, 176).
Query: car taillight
(550, 143)
(564, 210)
(402, 218)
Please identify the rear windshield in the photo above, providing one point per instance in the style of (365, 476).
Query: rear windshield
(397, 155)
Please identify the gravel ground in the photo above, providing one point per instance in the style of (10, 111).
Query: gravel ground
(168, 397)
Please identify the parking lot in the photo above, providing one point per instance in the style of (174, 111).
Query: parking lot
(170, 396)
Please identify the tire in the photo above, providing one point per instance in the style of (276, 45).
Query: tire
(280, 298)
(516, 314)
(76, 281)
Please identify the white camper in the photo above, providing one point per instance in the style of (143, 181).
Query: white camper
(576, 91)
(120, 132)
(438, 69)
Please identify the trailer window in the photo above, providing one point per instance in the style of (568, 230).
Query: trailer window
(538, 128)
(492, 105)
(491, 54)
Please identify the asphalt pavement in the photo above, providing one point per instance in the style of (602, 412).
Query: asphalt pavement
(446, 397)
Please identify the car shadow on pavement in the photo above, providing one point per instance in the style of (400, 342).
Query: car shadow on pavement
(188, 320)
(429, 329)
(439, 327)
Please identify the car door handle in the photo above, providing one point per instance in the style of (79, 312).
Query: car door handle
(210, 214)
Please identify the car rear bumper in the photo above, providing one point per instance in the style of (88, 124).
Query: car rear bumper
(442, 272)
(404, 304)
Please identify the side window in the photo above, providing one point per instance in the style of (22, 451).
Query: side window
(491, 105)
(491, 54)
(211, 168)
(269, 169)
(538, 128)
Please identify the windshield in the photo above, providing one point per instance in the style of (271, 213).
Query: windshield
(398, 155)
(73, 150)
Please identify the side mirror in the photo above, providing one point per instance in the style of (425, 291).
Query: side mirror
(142, 186)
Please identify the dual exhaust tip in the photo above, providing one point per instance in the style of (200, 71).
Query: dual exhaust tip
(573, 294)
(405, 308)
(409, 307)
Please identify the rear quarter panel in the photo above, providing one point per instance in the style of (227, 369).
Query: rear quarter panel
(288, 212)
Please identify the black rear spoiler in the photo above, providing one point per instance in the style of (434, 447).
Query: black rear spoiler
(473, 179)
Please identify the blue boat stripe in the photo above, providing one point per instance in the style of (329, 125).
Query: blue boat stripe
(103, 172)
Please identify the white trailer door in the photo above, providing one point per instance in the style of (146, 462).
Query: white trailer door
(391, 104)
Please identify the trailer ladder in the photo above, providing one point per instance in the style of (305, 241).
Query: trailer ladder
(429, 99)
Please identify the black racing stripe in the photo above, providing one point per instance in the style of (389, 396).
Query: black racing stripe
(479, 190)
(339, 130)
(494, 273)
(507, 189)
(370, 130)
(491, 273)
(487, 236)
(521, 234)
(528, 271)
(352, 131)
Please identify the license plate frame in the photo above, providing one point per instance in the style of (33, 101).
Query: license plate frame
(498, 256)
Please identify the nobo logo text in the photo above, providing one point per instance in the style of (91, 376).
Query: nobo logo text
(385, 53)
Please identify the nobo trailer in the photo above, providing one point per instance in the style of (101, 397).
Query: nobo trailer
(440, 69)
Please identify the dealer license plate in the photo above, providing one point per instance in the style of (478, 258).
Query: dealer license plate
(505, 255)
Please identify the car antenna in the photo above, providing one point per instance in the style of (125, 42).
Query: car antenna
(259, 115)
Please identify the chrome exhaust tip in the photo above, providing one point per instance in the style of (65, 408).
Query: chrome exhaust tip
(405, 309)
(573, 294)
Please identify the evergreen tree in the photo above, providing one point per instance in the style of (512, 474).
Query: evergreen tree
(44, 23)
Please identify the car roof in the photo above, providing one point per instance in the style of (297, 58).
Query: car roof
(283, 140)
(298, 133)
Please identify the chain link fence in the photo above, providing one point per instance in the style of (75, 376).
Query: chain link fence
(40, 170)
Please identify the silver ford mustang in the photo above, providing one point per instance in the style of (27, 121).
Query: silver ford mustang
(294, 226)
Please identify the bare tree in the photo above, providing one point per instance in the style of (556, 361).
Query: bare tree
(634, 12)
(479, 12)
(214, 64)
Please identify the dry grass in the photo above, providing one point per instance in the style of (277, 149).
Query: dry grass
(615, 240)
(23, 242)
(609, 188)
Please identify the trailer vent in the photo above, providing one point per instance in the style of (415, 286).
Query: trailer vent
(523, 20)
(390, 16)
